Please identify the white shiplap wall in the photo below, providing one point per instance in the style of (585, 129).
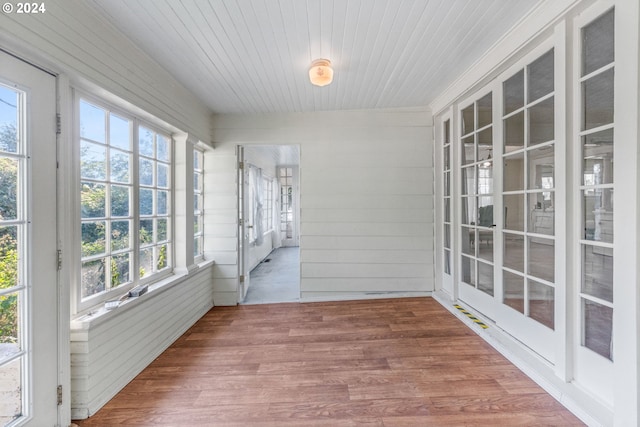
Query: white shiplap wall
(366, 185)
(221, 221)
(108, 353)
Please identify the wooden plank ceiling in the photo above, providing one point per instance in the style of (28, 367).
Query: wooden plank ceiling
(252, 56)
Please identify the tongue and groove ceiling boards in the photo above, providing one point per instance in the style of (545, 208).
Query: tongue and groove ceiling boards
(252, 56)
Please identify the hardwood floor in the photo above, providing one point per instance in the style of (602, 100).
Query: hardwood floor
(395, 362)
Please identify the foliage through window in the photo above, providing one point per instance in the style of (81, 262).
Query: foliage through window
(125, 196)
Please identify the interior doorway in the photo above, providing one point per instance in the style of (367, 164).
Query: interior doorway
(269, 206)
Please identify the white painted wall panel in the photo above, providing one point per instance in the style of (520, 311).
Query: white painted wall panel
(140, 332)
(366, 186)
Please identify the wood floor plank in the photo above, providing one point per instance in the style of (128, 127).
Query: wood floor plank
(379, 363)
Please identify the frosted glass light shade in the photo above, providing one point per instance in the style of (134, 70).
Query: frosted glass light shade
(320, 72)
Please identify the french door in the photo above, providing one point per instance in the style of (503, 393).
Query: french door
(28, 270)
(508, 203)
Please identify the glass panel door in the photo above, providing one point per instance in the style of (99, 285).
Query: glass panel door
(528, 199)
(28, 318)
(476, 202)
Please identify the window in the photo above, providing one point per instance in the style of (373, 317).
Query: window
(267, 219)
(125, 201)
(596, 185)
(446, 165)
(198, 200)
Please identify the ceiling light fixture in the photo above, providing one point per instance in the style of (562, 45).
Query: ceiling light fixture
(320, 72)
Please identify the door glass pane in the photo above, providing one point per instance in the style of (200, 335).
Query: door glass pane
(541, 303)
(447, 210)
(120, 197)
(447, 262)
(598, 43)
(447, 236)
(514, 212)
(447, 183)
(9, 187)
(485, 244)
(468, 210)
(9, 120)
(468, 122)
(446, 159)
(541, 213)
(598, 214)
(468, 150)
(597, 101)
(540, 165)
(597, 268)
(468, 240)
(484, 111)
(485, 278)
(597, 152)
(541, 258)
(11, 391)
(598, 324)
(513, 291)
(468, 269)
(514, 132)
(513, 172)
(541, 122)
(540, 77)
(485, 144)
(514, 252)
(514, 92)
(468, 180)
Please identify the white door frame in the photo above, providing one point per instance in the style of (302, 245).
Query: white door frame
(41, 340)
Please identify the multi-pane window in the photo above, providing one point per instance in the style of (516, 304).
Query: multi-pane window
(267, 189)
(154, 201)
(125, 196)
(596, 187)
(286, 202)
(477, 194)
(198, 200)
(528, 191)
(446, 164)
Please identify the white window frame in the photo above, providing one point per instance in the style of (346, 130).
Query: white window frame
(88, 304)
(198, 194)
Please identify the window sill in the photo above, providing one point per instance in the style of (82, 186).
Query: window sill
(100, 314)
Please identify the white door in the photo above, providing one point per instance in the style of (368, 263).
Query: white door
(244, 226)
(508, 175)
(28, 268)
(477, 206)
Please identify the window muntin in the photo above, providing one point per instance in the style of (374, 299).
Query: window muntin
(198, 204)
(596, 85)
(125, 200)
